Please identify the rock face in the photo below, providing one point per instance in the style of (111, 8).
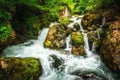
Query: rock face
(91, 21)
(110, 50)
(77, 43)
(7, 36)
(20, 69)
(56, 37)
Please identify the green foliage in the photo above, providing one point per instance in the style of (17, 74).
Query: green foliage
(4, 33)
(5, 15)
(29, 16)
(82, 6)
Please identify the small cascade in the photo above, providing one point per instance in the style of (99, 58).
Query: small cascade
(100, 28)
(70, 67)
(78, 20)
(68, 44)
(42, 36)
(98, 34)
(103, 22)
(93, 48)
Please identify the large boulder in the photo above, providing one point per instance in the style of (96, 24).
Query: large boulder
(20, 69)
(91, 21)
(110, 50)
(77, 43)
(56, 37)
(7, 36)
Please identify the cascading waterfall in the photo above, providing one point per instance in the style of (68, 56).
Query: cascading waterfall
(86, 46)
(70, 67)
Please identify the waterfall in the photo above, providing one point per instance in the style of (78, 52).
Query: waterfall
(70, 67)
(78, 20)
(68, 44)
(100, 28)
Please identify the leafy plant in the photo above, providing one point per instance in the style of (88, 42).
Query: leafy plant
(4, 33)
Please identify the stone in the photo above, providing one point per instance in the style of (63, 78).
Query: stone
(77, 38)
(57, 62)
(20, 69)
(110, 50)
(91, 21)
(56, 37)
(78, 50)
(77, 43)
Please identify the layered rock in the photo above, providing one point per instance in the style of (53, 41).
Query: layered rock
(20, 69)
(77, 43)
(56, 36)
(7, 36)
(110, 50)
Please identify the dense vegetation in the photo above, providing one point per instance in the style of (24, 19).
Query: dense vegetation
(28, 17)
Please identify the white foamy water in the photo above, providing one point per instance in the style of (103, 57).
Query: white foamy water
(70, 64)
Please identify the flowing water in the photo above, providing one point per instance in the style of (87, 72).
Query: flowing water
(68, 66)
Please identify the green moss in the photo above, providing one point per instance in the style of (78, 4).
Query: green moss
(64, 21)
(20, 69)
(109, 32)
(5, 33)
(77, 38)
(47, 43)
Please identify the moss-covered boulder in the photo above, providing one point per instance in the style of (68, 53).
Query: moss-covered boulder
(110, 51)
(20, 69)
(56, 36)
(77, 38)
(91, 21)
(7, 36)
(77, 43)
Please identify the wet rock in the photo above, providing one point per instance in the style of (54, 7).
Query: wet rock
(92, 36)
(77, 43)
(110, 51)
(57, 62)
(76, 27)
(91, 21)
(20, 69)
(56, 37)
(78, 50)
(87, 76)
(77, 38)
(7, 36)
(95, 39)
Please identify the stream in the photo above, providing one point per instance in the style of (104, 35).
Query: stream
(57, 65)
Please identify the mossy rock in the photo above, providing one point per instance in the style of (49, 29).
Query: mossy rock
(64, 21)
(110, 50)
(7, 36)
(56, 36)
(77, 38)
(91, 21)
(20, 69)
